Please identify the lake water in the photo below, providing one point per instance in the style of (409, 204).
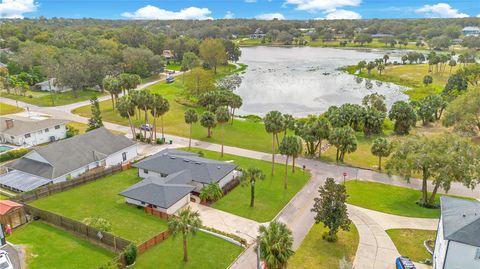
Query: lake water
(305, 80)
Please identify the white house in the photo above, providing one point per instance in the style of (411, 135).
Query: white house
(171, 175)
(68, 159)
(457, 245)
(23, 131)
(471, 31)
(51, 85)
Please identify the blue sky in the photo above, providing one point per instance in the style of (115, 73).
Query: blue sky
(261, 9)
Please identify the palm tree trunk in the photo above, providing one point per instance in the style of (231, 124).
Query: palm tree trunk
(278, 142)
(163, 132)
(190, 138)
(273, 153)
(320, 148)
(113, 104)
(380, 163)
(252, 194)
(293, 164)
(424, 187)
(221, 155)
(209, 133)
(286, 173)
(233, 114)
(185, 251)
(132, 128)
(154, 129)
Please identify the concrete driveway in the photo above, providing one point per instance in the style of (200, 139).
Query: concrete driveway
(226, 222)
(14, 253)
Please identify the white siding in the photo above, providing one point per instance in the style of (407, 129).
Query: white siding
(142, 174)
(181, 203)
(227, 178)
(461, 256)
(133, 202)
(440, 248)
(37, 137)
(117, 157)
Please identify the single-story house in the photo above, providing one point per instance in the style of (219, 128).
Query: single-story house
(258, 34)
(168, 54)
(471, 31)
(458, 236)
(51, 85)
(171, 175)
(68, 159)
(12, 213)
(22, 131)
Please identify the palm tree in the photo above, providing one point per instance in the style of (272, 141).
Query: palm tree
(208, 121)
(126, 108)
(274, 123)
(211, 192)
(111, 85)
(235, 102)
(191, 117)
(223, 116)
(276, 242)
(298, 149)
(251, 176)
(186, 222)
(288, 147)
(158, 107)
(452, 63)
(162, 109)
(144, 99)
(385, 58)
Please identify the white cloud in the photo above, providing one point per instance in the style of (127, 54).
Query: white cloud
(321, 5)
(441, 10)
(15, 8)
(154, 13)
(229, 15)
(270, 16)
(478, 15)
(341, 14)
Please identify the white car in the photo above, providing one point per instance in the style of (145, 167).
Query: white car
(5, 262)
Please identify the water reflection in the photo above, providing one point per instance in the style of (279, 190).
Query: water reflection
(303, 81)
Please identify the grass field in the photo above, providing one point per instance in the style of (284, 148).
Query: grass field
(270, 196)
(49, 247)
(82, 127)
(204, 251)
(9, 109)
(174, 66)
(389, 199)
(409, 242)
(101, 199)
(45, 99)
(314, 252)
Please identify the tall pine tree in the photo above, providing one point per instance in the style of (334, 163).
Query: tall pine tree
(96, 120)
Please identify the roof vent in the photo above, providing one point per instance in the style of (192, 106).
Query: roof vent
(185, 160)
(464, 215)
(172, 157)
(218, 167)
(198, 162)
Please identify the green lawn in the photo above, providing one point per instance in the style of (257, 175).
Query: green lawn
(409, 242)
(101, 199)
(9, 109)
(270, 196)
(389, 199)
(45, 99)
(174, 66)
(49, 247)
(204, 251)
(314, 252)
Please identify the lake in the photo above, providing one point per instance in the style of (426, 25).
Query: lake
(305, 80)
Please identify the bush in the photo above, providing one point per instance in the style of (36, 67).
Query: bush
(130, 254)
(13, 154)
(159, 141)
(100, 224)
(148, 140)
(71, 131)
(138, 136)
(200, 153)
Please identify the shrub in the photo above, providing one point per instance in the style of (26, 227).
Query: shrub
(200, 153)
(13, 154)
(99, 224)
(130, 254)
(328, 237)
(159, 141)
(71, 131)
(138, 136)
(148, 140)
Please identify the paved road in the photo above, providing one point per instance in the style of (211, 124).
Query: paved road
(14, 255)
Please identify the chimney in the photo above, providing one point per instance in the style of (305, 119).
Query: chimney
(9, 123)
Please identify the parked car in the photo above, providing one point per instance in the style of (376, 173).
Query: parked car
(144, 127)
(5, 262)
(404, 263)
(170, 79)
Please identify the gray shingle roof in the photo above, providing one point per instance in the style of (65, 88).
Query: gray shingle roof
(169, 161)
(23, 126)
(23, 182)
(155, 191)
(461, 220)
(67, 155)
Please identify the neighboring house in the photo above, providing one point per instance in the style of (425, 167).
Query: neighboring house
(457, 41)
(22, 131)
(50, 85)
(171, 175)
(168, 54)
(471, 31)
(68, 159)
(258, 34)
(458, 237)
(380, 35)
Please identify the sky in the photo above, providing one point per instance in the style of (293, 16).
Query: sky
(228, 9)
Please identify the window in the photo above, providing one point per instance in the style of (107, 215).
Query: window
(46, 130)
(154, 206)
(124, 156)
(163, 175)
(57, 126)
(145, 171)
(27, 135)
(477, 254)
(143, 203)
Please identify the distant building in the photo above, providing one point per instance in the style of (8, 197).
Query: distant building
(168, 54)
(50, 85)
(258, 34)
(380, 35)
(471, 31)
(68, 159)
(457, 41)
(22, 131)
(458, 236)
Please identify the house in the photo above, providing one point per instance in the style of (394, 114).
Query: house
(471, 31)
(258, 34)
(50, 85)
(381, 35)
(457, 41)
(12, 213)
(458, 236)
(68, 159)
(168, 54)
(171, 175)
(22, 131)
